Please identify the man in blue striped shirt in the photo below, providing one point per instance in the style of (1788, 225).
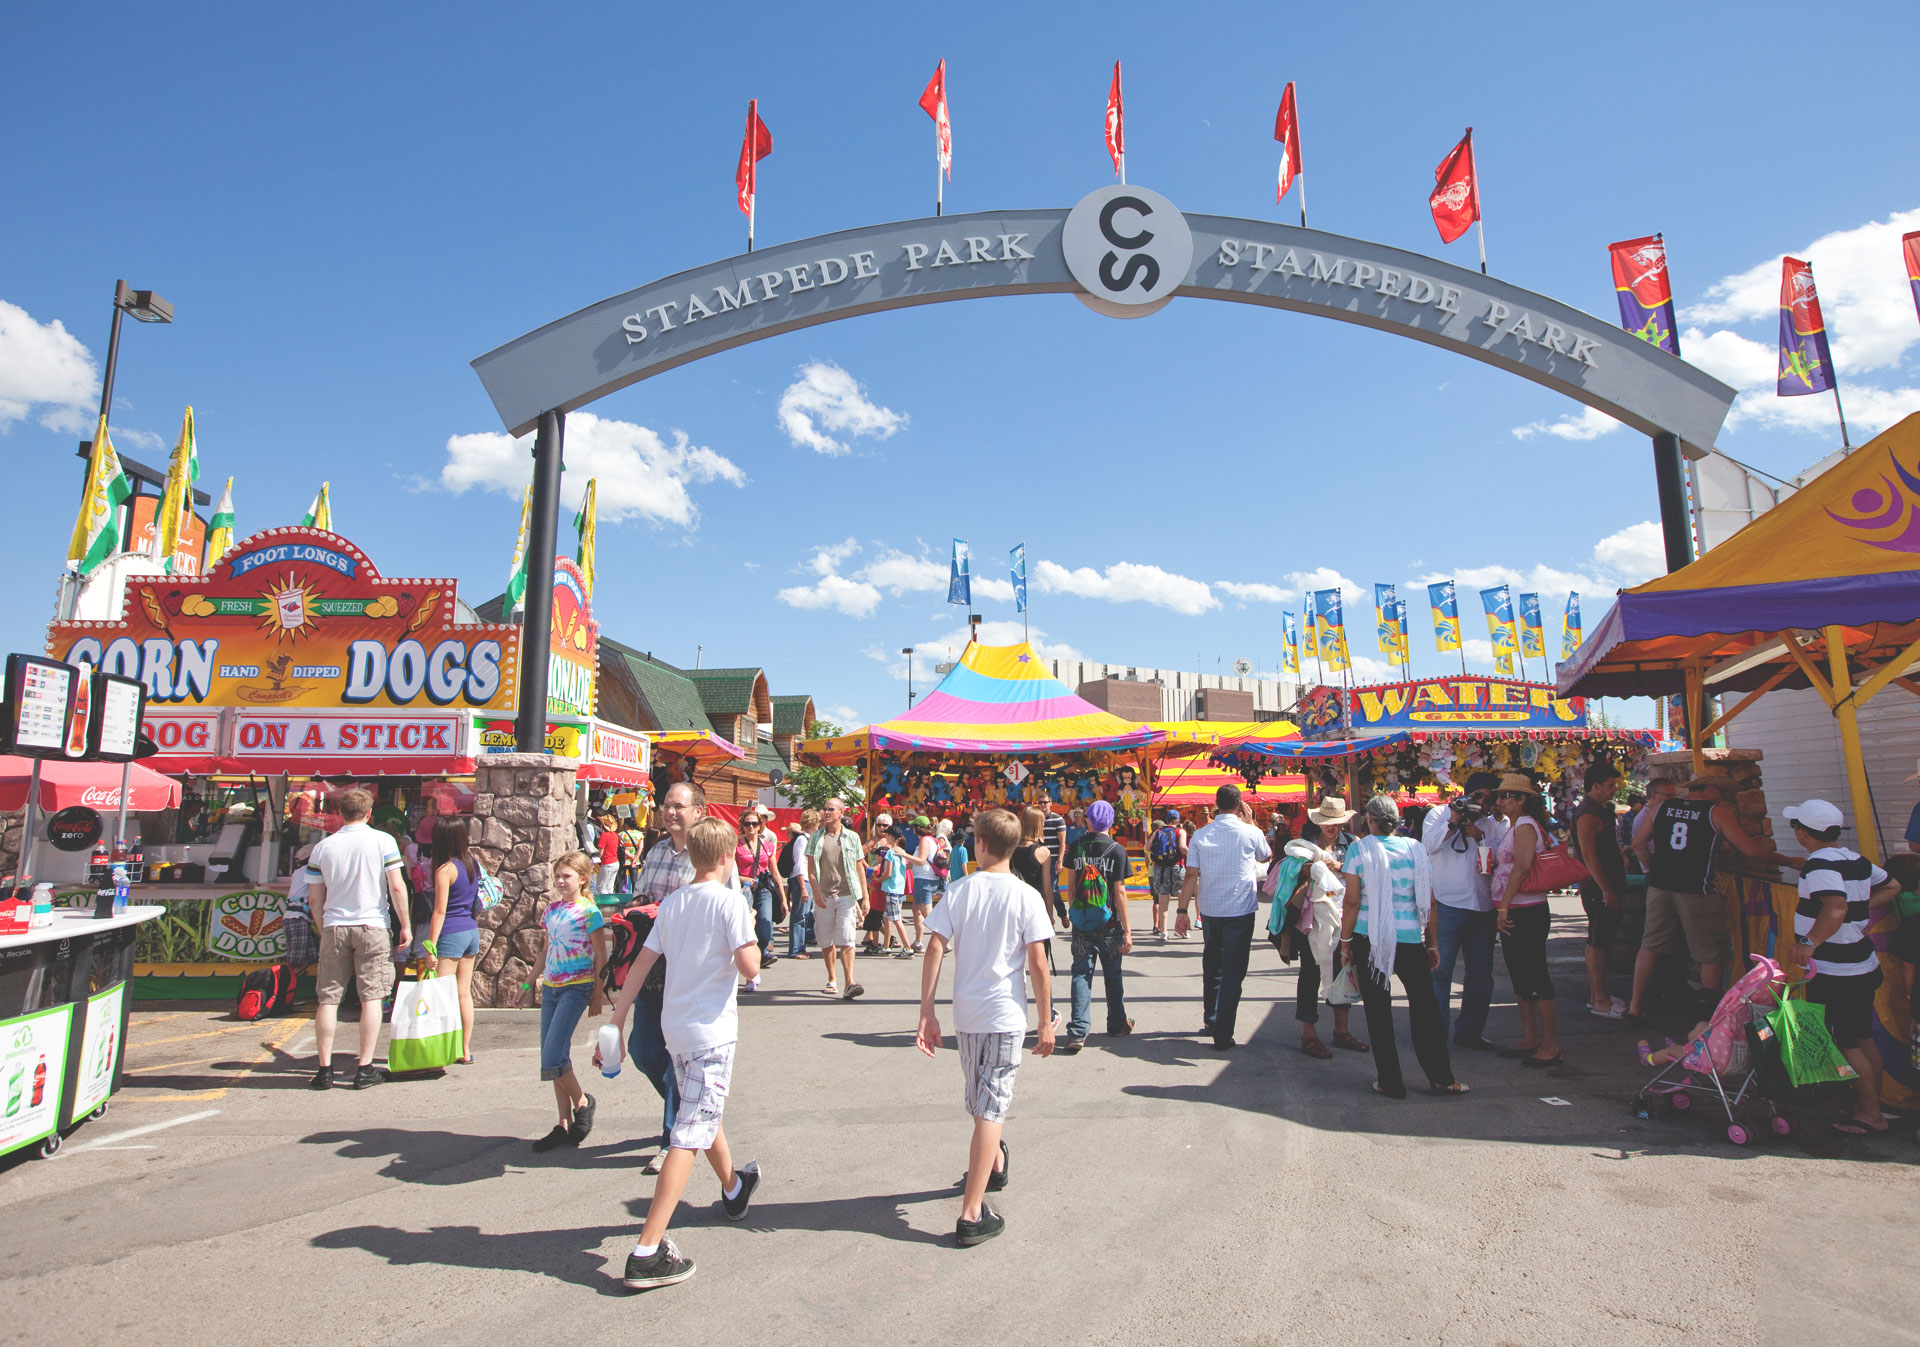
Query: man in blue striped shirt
(1838, 891)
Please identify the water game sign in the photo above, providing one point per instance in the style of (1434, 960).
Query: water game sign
(299, 617)
(1464, 703)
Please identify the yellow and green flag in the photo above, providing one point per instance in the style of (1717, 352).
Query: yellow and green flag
(220, 530)
(517, 577)
(176, 502)
(320, 514)
(583, 524)
(96, 532)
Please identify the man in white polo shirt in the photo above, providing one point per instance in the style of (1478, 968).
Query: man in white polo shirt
(348, 876)
(1225, 860)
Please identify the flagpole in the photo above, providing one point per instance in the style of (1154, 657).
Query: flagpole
(1301, 179)
(1123, 168)
(1480, 232)
(1845, 446)
(939, 178)
(753, 198)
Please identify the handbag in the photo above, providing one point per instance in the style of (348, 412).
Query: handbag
(1342, 990)
(1554, 868)
(488, 887)
(425, 1025)
(1806, 1047)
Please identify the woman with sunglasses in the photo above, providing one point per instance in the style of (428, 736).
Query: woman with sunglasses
(1524, 921)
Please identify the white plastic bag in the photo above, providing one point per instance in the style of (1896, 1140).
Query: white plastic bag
(425, 1026)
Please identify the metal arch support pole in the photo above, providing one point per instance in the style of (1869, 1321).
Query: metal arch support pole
(1669, 476)
(536, 635)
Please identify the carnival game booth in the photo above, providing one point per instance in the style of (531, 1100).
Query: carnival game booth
(290, 671)
(1191, 784)
(1821, 592)
(999, 730)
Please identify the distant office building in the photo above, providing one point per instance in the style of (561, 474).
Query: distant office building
(1137, 693)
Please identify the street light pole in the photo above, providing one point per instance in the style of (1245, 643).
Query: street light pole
(148, 308)
(908, 652)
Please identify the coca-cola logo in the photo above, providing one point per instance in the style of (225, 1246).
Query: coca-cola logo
(74, 828)
(101, 797)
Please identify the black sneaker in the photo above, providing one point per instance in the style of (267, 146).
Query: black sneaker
(736, 1206)
(561, 1135)
(582, 1121)
(769, 959)
(322, 1079)
(667, 1266)
(997, 1180)
(1121, 1032)
(367, 1077)
(969, 1233)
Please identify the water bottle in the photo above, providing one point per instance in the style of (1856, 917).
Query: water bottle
(42, 905)
(120, 889)
(609, 1051)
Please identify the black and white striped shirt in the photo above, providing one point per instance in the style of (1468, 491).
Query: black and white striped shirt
(1848, 952)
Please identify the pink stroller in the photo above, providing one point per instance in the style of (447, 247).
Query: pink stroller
(1716, 1058)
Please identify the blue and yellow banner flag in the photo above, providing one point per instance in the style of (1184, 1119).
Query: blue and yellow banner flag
(1646, 296)
(1533, 639)
(1017, 568)
(1806, 366)
(1400, 614)
(1333, 630)
(1386, 618)
(1498, 601)
(1289, 644)
(1570, 635)
(960, 575)
(1446, 615)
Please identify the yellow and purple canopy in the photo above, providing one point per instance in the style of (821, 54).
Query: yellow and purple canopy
(1844, 551)
(997, 699)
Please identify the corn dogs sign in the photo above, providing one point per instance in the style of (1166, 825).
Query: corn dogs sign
(299, 618)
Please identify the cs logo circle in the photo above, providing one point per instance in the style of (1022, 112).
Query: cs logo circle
(1129, 248)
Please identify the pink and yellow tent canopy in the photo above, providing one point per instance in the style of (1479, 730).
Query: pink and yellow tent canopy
(998, 699)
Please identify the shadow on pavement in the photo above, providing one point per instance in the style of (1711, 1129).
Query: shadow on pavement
(444, 1159)
(565, 1255)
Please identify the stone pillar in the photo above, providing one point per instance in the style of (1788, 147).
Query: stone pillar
(1750, 801)
(523, 818)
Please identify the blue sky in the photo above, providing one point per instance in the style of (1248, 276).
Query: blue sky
(347, 204)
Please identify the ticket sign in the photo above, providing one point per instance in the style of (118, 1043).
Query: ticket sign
(299, 618)
(113, 721)
(39, 705)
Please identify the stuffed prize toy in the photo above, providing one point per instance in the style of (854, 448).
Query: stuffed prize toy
(892, 779)
(1056, 790)
(939, 792)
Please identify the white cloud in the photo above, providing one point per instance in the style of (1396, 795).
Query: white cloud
(824, 398)
(858, 593)
(1634, 554)
(45, 372)
(1300, 584)
(139, 439)
(1586, 424)
(1254, 593)
(1127, 580)
(844, 716)
(1870, 326)
(640, 475)
(948, 645)
(900, 573)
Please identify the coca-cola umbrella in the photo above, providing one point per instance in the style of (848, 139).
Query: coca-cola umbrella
(93, 784)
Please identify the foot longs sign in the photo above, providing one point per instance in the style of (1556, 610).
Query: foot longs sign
(299, 618)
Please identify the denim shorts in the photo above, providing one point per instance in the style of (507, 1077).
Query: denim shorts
(560, 1011)
(458, 944)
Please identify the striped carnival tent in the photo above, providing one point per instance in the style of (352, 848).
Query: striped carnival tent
(998, 699)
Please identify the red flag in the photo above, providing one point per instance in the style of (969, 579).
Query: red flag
(1286, 130)
(1116, 121)
(756, 145)
(934, 101)
(1456, 192)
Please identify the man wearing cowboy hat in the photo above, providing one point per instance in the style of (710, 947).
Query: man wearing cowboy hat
(1684, 839)
(1225, 860)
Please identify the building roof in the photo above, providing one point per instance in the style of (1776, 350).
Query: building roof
(790, 716)
(668, 697)
(733, 692)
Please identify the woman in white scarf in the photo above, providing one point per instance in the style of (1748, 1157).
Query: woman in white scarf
(1321, 904)
(1389, 928)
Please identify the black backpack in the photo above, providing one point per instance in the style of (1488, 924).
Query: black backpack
(267, 991)
(785, 864)
(627, 932)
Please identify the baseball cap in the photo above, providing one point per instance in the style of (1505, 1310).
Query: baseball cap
(1602, 771)
(1173, 816)
(1383, 808)
(1100, 815)
(1816, 816)
(922, 821)
(1482, 781)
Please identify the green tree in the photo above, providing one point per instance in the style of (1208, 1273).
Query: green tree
(812, 787)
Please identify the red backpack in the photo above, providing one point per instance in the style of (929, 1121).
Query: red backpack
(267, 991)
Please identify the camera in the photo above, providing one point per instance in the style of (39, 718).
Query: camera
(1467, 810)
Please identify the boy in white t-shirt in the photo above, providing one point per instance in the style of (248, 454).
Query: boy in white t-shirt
(999, 929)
(704, 930)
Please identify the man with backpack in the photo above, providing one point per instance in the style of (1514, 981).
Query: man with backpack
(1097, 914)
(1167, 851)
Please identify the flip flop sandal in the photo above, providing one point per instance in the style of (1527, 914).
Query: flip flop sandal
(1350, 1043)
(1543, 1062)
(1317, 1050)
(1384, 1095)
(1853, 1127)
(1447, 1091)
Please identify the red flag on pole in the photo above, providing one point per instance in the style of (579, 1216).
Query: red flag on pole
(1286, 130)
(1456, 192)
(756, 145)
(934, 101)
(1116, 126)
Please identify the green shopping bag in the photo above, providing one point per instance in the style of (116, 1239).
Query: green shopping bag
(424, 1030)
(1806, 1048)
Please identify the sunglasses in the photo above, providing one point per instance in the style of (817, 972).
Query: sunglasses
(1510, 795)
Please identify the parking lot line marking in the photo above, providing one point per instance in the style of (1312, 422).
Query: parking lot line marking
(186, 1038)
(140, 1131)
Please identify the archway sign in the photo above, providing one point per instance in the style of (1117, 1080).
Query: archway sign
(1125, 251)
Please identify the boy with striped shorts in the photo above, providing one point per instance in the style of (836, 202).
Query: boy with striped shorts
(999, 930)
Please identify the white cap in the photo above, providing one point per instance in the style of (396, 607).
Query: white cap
(1816, 816)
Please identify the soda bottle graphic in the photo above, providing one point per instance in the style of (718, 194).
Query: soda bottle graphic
(16, 1087)
(77, 723)
(39, 1081)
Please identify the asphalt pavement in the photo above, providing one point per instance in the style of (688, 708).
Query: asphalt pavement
(1161, 1193)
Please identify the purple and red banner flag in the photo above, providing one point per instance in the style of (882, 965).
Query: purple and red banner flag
(1910, 249)
(1806, 366)
(1645, 293)
(1455, 201)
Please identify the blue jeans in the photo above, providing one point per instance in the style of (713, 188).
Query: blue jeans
(763, 919)
(1087, 946)
(648, 1048)
(799, 919)
(1471, 933)
(1227, 945)
(560, 1011)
